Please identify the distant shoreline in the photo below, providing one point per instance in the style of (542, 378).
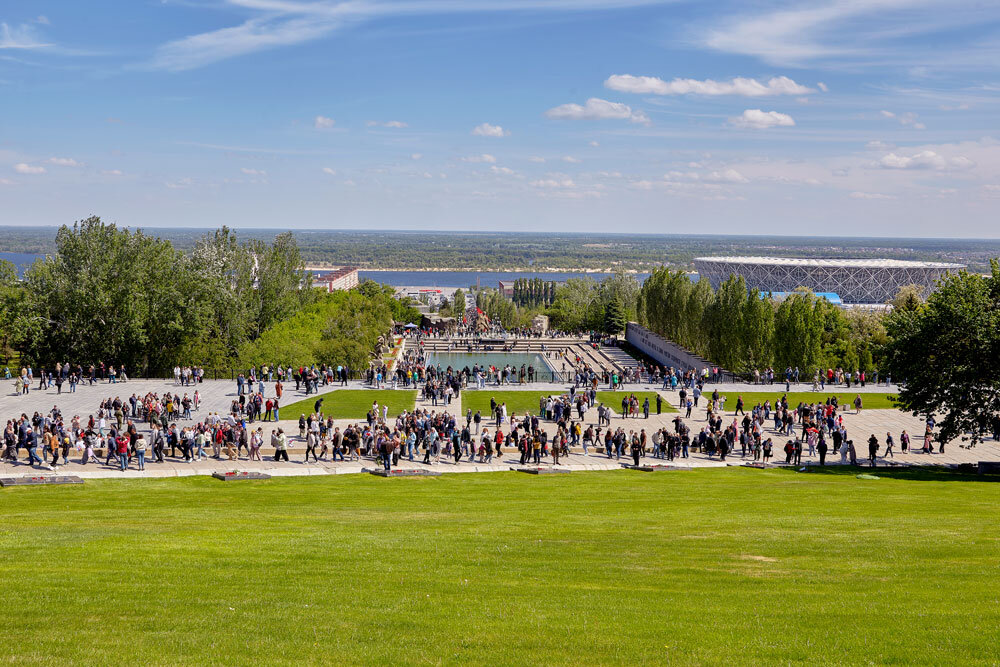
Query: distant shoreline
(530, 269)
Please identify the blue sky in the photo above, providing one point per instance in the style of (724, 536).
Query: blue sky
(835, 117)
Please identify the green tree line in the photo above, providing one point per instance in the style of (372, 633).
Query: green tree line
(125, 298)
(742, 330)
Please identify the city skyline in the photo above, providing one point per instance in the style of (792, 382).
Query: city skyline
(835, 118)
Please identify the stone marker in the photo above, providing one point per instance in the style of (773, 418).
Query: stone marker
(403, 472)
(40, 479)
(240, 474)
(539, 470)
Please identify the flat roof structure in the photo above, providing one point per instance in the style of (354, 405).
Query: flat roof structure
(868, 281)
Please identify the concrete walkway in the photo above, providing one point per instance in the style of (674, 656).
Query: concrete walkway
(217, 397)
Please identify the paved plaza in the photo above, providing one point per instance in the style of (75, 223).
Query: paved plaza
(217, 396)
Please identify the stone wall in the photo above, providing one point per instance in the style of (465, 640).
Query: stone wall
(664, 351)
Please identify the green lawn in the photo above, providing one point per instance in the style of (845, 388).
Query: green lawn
(600, 567)
(613, 399)
(518, 402)
(869, 401)
(352, 403)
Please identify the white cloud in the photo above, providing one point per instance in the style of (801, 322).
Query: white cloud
(597, 109)
(396, 124)
(870, 195)
(536, 159)
(837, 32)
(323, 123)
(280, 23)
(330, 171)
(758, 120)
(487, 130)
(926, 159)
(822, 86)
(554, 183)
(19, 37)
(180, 183)
(416, 156)
(594, 144)
(571, 159)
(253, 172)
(779, 85)
(908, 119)
(485, 157)
(954, 107)
(879, 146)
(253, 35)
(43, 19)
(112, 172)
(6, 181)
(506, 171)
(724, 176)
(992, 187)
(23, 168)
(63, 162)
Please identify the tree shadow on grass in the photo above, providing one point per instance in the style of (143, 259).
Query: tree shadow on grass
(965, 473)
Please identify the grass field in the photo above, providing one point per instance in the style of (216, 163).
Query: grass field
(731, 566)
(352, 403)
(751, 398)
(613, 399)
(518, 402)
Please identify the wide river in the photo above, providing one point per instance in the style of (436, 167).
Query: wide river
(466, 279)
(463, 279)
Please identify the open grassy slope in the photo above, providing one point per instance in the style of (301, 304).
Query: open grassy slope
(731, 566)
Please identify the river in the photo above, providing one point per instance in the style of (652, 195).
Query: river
(466, 279)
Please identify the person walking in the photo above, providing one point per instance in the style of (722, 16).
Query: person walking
(888, 446)
(280, 443)
(121, 447)
(872, 449)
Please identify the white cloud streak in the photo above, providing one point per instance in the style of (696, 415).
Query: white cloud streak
(927, 159)
(597, 109)
(20, 37)
(281, 23)
(649, 85)
(24, 168)
(487, 130)
(760, 120)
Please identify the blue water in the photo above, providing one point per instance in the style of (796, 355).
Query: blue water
(20, 260)
(466, 279)
(459, 360)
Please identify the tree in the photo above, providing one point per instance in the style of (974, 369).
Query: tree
(577, 306)
(109, 295)
(947, 353)
(614, 316)
(907, 298)
(11, 295)
(458, 303)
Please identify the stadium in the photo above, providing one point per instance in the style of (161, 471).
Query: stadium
(855, 281)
